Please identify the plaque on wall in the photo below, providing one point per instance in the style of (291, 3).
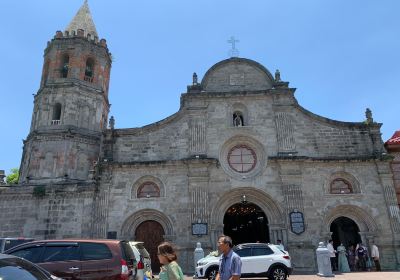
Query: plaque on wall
(199, 228)
(296, 222)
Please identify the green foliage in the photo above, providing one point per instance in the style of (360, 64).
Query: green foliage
(39, 191)
(13, 177)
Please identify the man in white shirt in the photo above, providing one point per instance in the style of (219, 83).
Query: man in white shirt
(375, 256)
(332, 252)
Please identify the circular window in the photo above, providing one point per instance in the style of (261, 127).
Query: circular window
(242, 159)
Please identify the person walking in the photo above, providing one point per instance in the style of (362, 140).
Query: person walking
(343, 264)
(375, 256)
(332, 252)
(170, 269)
(230, 264)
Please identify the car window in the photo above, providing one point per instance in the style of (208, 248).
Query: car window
(127, 254)
(244, 252)
(31, 253)
(9, 243)
(60, 253)
(13, 268)
(262, 251)
(95, 251)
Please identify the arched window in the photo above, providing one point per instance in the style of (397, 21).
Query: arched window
(341, 186)
(65, 66)
(238, 119)
(56, 114)
(148, 189)
(89, 70)
(242, 158)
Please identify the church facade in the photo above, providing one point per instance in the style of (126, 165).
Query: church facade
(240, 157)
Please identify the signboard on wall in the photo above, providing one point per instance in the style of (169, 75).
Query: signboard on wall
(296, 222)
(199, 229)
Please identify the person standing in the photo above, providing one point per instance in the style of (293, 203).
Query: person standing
(343, 264)
(352, 258)
(361, 254)
(230, 264)
(332, 252)
(375, 256)
(170, 269)
(280, 245)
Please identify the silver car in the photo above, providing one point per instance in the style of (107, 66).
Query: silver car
(143, 260)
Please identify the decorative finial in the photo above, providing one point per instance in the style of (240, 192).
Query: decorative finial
(194, 78)
(233, 52)
(277, 76)
(111, 122)
(368, 115)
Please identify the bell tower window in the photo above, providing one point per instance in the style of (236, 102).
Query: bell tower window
(89, 70)
(65, 66)
(56, 120)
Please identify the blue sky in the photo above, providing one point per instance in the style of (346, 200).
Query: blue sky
(342, 55)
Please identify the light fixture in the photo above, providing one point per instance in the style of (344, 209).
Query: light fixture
(244, 199)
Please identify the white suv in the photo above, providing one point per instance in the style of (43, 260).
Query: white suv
(258, 259)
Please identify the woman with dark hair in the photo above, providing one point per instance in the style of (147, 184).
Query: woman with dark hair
(170, 269)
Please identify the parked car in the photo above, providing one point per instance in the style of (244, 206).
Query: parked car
(143, 260)
(258, 260)
(9, 242)
(15, 268)
(81, 259)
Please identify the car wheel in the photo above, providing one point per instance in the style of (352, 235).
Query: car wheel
(212, 273)
(278, 273)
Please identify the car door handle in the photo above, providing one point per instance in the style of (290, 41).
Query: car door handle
(73, 268)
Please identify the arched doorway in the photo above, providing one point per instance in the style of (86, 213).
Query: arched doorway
(151, 233)
(246, 222)
(346, 231)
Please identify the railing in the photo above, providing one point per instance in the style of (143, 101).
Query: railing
(55, 122)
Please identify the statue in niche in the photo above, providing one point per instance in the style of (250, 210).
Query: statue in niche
(237, 119)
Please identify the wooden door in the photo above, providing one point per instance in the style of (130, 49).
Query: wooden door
(151, 233)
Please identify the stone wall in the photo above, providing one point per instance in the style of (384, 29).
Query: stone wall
(55, 211)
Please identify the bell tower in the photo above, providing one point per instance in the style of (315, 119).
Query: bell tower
(71, 106)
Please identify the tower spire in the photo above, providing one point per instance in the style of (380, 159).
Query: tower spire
(83, 20)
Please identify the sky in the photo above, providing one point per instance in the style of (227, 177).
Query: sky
(343, 56)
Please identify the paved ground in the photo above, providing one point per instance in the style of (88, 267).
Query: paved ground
(343, 276)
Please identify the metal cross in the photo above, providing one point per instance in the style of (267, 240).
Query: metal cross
(233, 52)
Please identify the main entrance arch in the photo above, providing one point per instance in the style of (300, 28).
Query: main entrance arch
(246, 222)
(275, 219)
(345, 230)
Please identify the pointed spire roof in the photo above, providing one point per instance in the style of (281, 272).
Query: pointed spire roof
(83, 20)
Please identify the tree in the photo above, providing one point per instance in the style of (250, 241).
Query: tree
(13, 177)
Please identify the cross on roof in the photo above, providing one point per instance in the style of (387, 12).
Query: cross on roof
(233, 52)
